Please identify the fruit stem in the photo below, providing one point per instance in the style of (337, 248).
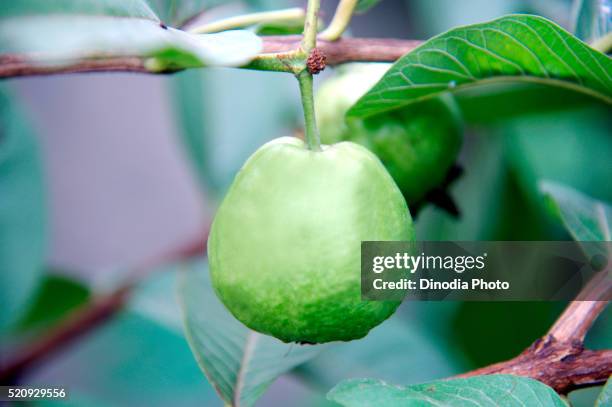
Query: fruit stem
(312, 133)
(341, 20)
(278, 16)
(304, 77)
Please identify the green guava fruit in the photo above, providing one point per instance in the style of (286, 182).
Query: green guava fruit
(417, 144)
(284, 247)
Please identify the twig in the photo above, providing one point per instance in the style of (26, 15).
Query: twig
(337, 52)
(348, 49)
(561, 365)
(309, 35)
(341, 20)
(559, 359)
(295, 15)
(83, 320)
(15, 66)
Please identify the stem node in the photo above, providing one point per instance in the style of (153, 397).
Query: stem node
(316, 61)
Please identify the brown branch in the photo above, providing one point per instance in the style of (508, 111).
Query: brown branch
(347, 49)
(85, 319)
(338, 52)
(564, 366)
(578, 317)
(15, 66)
(559, 358)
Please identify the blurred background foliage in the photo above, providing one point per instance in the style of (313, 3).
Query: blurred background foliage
(213, 119)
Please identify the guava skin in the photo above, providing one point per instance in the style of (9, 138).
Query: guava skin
(417, 144)
(284, 247)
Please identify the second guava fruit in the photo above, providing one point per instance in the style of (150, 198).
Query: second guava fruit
(284, 247)
(417, 144)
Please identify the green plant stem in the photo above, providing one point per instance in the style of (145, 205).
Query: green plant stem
(312, 133)
(290, 61)
(295, 14)
(340, 21)
(309, 40)
(603, 44)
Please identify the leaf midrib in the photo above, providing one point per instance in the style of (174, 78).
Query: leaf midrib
(247, 355)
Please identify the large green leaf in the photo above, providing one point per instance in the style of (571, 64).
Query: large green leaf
(65, 32)
(239, 362)
(493, 390)
(172, 12)
(514, 48)
(586, 219)
(22, 211)
(605, 398)
(129, 361)
(143, 345)
(119, 8)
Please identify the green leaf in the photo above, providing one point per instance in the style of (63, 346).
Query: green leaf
(605, 397)
(172, 12)
(143, 345)
(22, 212)
(586, 219)
(118, 8)
(66, 32)
(493, 390)
(56, 297)
(64, 40)
(129, 361)
(511, 49)
(365, 5)
(239, 362)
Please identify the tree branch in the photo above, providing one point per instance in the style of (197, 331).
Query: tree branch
(578, 317)
(559, 358)
(564, 366)
(337, 52)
